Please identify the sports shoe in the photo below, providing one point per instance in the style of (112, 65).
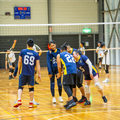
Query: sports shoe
(10, 77)
(75, 99)
(83, 99)
(35, 103)
(54, 100)
(71, 104)
(36, 82)
(106, 80)
(66, 104)
(32, 105)
(87, 102)
(104, 99)
(99, 68)
(18, 103)
(60, 99)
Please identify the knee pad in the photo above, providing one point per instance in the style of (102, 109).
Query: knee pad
(20, 87)
(87, 89)
(79, 85)
(35, 71)
(10, 70)
(97, 85)
(106, 71)
(31, 89)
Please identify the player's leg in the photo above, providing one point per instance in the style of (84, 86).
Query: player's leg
(31, 91)
(100, 63)
(15, 72)
(79, 78)
(10, 70)
(13, 68)
(107, 74)
(87, 91)
(99, 88)
(68, 82)
(52, 85)
(22, 82)
(60, 89)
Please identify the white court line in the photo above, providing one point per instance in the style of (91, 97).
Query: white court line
(81, 113)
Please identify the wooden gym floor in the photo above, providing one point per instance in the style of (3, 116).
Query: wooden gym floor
(46, 111)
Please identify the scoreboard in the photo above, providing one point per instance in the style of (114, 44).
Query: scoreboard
(22, 13)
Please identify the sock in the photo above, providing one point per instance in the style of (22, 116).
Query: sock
(99, 65)
(19, 98)
(31, 101)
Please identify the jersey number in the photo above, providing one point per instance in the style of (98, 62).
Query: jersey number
(70, 58)
(29, 60)
(82, 69)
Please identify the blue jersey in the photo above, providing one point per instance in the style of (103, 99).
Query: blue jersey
(68, 63)
(51, 60)
(83, 66)
(73, 49)
(29, 58)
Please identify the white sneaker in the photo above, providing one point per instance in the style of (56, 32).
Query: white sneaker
(54, 100)
(106, 80)
(35, 103)
(60, 99)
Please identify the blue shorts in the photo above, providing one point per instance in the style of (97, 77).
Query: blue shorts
(25, 79)
(87, 77)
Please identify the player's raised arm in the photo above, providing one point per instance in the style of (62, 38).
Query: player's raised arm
(38, 69)
(13, 46)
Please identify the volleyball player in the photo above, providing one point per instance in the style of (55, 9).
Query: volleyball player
(105, 61)
(82, 48)
(53, 71)
(79, 80)
(28, 58)
(99, 52)
(37, 48)
(68, 62)
(10, 58)
(83, 63)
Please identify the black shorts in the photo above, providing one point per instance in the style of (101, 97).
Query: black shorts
(13, 64)
(79, 77)
(69, 79)
(100, 59)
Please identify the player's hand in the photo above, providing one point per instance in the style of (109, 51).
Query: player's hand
(39, 78)
(91, 76)
(15, 41)
(18, 72)
(6, 67)
(58, 75)
(50, 75)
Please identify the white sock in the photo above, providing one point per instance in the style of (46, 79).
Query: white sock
(99, 65)
(31, 101)
(19, 98)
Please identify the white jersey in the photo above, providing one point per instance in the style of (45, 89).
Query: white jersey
(11, 57)
(83, 51)
(100, 52)
(106, 59)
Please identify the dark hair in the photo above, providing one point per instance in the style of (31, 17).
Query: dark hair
(99, 42)
(5, 50)
(79, 52)
(52, 41)
(67, 44)
(83, 43)
(102, 44)
(63, 47)
(30, 42)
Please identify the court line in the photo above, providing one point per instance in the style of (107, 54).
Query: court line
(81, 113)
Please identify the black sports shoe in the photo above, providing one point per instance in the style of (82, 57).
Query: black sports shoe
(75, 99)
(66, 104)
(83, 99)
(36, 82)
(87, 102)
(104, 99)
(71, 104)
(10, 77)
(99, 68)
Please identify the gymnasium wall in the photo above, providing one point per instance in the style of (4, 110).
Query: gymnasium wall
(114, 54)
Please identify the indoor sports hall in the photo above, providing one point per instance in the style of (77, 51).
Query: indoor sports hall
(87, 31)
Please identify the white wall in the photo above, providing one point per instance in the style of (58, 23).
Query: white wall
(38, 16)
(74, 11)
